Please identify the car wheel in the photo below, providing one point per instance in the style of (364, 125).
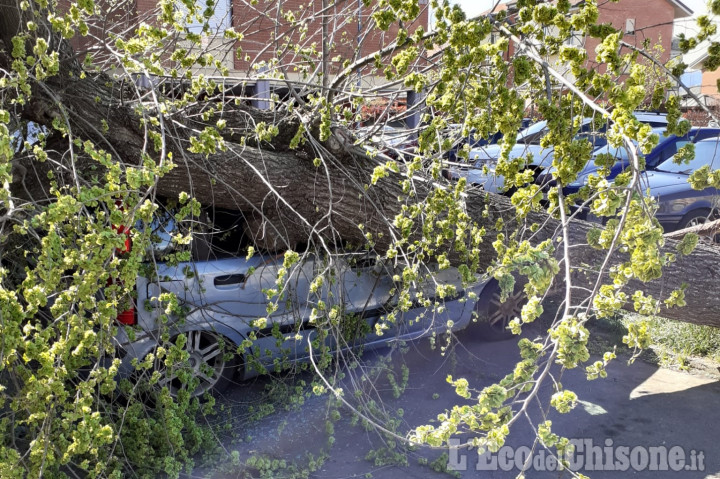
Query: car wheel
(494, 316)
(699, 217)
(207, 363)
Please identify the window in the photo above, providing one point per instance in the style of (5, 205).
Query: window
(671, 149)
(630, 26)
(219, 20)
(706, 153)
(575, 39)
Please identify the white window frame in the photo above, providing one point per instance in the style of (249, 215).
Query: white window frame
(629, 26)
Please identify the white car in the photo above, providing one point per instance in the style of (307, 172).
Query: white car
(225, 303)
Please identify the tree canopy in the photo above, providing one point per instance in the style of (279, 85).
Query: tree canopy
(112, 115)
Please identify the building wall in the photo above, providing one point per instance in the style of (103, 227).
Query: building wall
(264, 40)
(113, 17)
(266, 31)
(653, 21)
(709, 86)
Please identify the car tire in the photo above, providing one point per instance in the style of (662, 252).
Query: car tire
(208, 362)
(494, 316)
(698, 217)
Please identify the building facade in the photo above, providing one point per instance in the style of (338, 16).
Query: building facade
(276, 34)
(641, 21)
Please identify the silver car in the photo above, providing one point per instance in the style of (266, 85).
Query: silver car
(238, 322)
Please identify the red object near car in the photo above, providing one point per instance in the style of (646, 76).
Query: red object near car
(127, 317)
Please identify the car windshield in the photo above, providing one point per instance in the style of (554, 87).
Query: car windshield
(29, 133)
(617, 152)
(621, 152)
(705, 154)
(161, 229)
(533, 134)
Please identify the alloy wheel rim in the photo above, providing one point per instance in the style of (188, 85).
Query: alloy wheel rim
(205, 363)
(504, 312)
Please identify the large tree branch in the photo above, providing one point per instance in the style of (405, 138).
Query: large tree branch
(708, 229)
(287, 199)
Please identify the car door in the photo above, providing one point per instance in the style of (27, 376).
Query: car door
(361, 287)
(275, 313)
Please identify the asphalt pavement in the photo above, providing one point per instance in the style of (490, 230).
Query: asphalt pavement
(642, 421)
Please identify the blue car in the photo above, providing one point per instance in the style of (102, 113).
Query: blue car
(680, 206)
(484, 160)
(665, 149)
(476, 142)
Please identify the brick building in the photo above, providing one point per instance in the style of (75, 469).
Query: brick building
(270, 29)
(641, 20)
(348, 29)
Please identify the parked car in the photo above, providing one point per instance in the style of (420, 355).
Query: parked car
(396, 143)
(474, 141)
(665, 149)
(225, 300)
(481, 172)
(680, 206)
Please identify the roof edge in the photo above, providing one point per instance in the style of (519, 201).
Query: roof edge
(681, 10)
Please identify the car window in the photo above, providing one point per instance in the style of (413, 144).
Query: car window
(30, 132)
(706, 153)
(596, 138)
(705, 133)
(161, 230)
(617, 152)
(217, 233)
(669, 150)
(533, 133)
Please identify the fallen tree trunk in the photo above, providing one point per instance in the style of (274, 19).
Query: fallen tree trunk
(708, 229)
(286, 198)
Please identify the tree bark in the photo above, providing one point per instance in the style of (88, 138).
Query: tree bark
(285, 197)
(708, 229)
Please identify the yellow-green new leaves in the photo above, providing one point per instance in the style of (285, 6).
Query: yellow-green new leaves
(638, 336)
(704, 178)
(645, 305)
(461, 387)
(11, 333)
(608, 301)
(677, 297)
(597, 369)
(403, 60)
(209, 140)
(564, 401)
(607, 51)
(571, 338)
(687, 244)
(492, 397)
(6, 156)
(536, 263)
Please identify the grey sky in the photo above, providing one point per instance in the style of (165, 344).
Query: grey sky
(474, 7)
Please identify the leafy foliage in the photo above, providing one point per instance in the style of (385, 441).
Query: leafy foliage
(67, 271)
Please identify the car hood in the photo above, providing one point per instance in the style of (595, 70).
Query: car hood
(663, 183)
(492, 152)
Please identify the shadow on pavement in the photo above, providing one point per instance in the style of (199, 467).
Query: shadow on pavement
(639, 411)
